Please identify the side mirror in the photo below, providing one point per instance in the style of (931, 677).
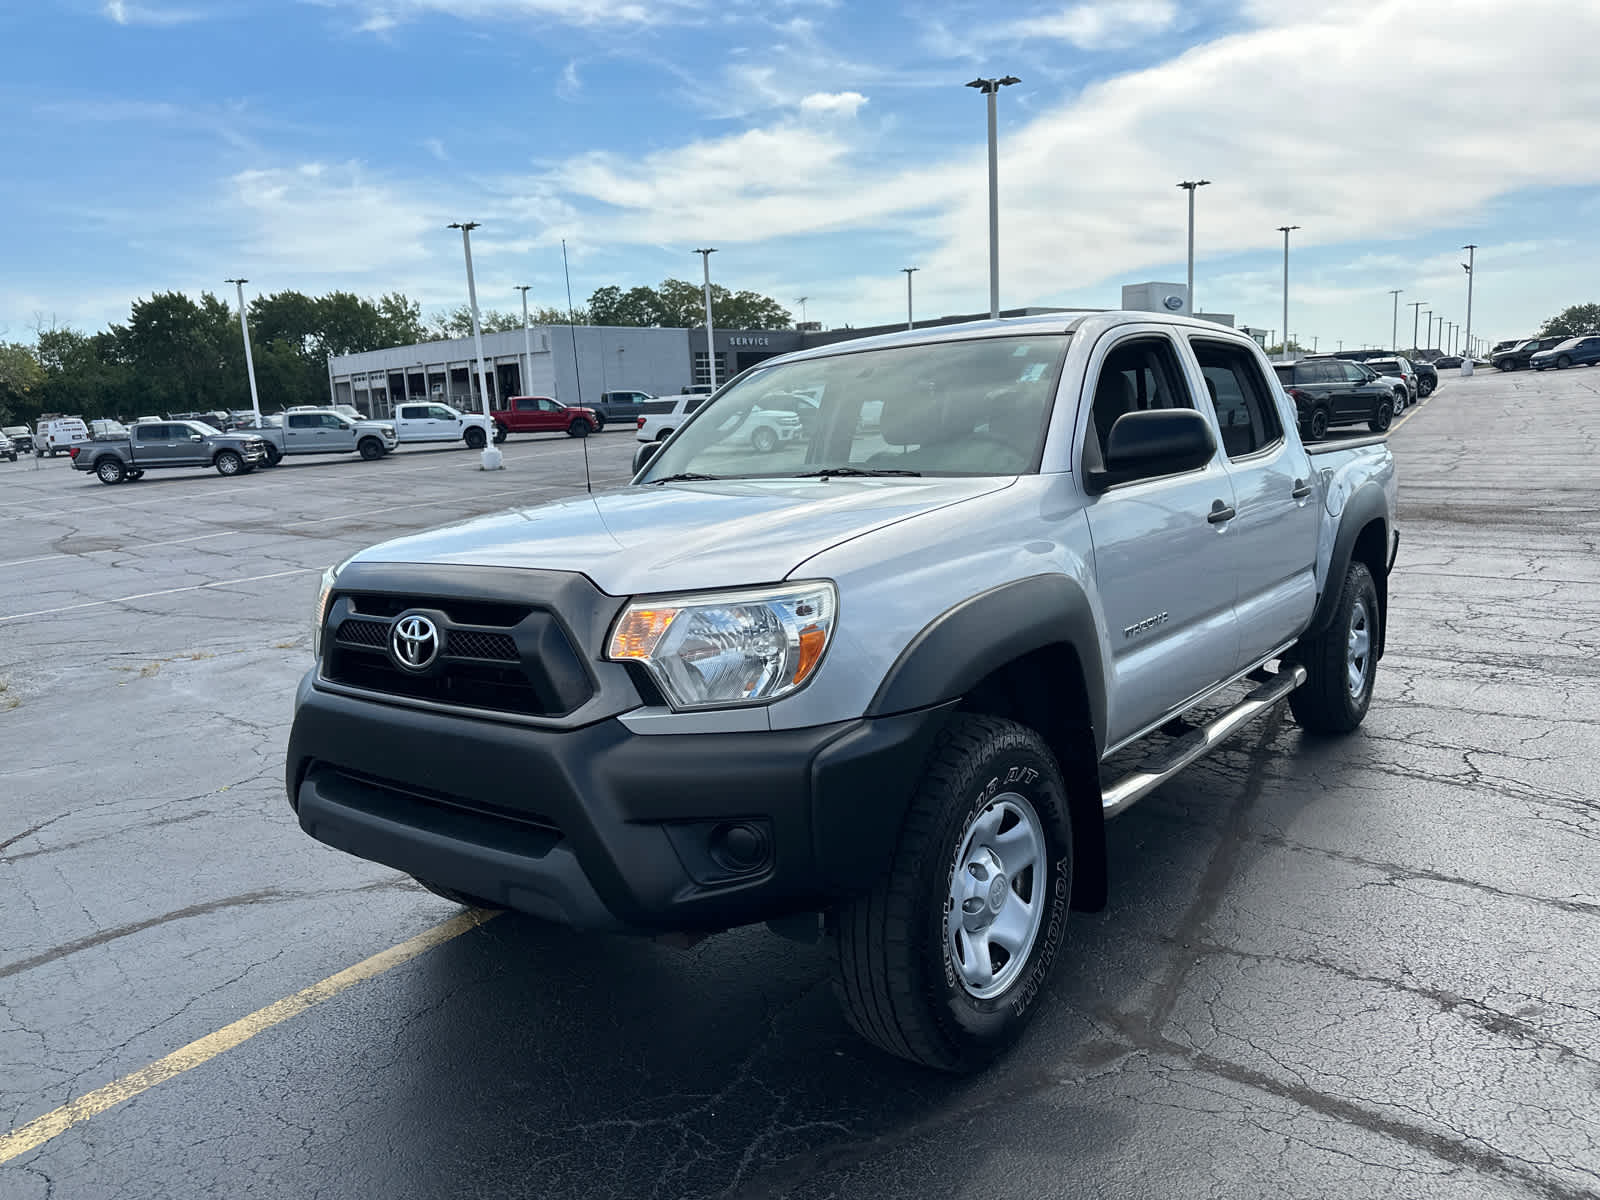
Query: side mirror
(1163, 441)
(195, 437)
(645, 455)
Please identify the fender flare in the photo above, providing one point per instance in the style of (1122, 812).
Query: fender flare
(1368, 504)
(963, 644)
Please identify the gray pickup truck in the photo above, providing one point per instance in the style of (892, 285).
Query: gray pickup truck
(878, 675)
(325, 431)
(150, 445)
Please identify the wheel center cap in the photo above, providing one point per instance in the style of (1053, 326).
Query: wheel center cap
(997, 893)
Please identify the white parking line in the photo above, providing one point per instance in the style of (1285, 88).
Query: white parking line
(199, 537)
(196, 587)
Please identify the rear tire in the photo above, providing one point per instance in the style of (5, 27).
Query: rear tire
(1341, 662)
(764, 440)
(474, 438)
(989, 822)
(1383, 418)
(500, 433)
(371, 449)
(580, 428)
(663, 435)
(1318, 425)
(228, 462)
(455, 897)
(109, 470)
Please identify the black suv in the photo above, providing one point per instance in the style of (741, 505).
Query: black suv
(1333, 391)
(1521, 354)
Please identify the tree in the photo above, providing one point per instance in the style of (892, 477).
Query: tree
(1572, 321)
(21, 380)
(639, 306)
(457, 323)
(679, 304)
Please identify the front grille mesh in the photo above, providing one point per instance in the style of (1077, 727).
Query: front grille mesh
(469, 643)
(364, 633)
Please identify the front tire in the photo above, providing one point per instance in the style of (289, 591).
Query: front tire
(228, 462)
(943, 960)
(764, 440)
(1563, 362)
(371, 449)
(474, 438)
(1382, 419)
(109, 470)
(1341, 662)
(1425, 389)
(274, 456)
(580, 428)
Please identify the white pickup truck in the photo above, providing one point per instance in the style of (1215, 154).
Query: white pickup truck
(879, 674)
(431, 422)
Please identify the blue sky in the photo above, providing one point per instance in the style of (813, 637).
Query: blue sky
(822, 146)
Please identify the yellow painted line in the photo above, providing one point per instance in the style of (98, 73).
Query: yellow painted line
(39, 1131)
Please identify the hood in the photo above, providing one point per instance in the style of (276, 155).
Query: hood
(685, 536)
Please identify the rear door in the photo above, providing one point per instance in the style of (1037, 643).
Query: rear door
(1163, 559)
(1273, 539)
(411, 422)
(300, 433)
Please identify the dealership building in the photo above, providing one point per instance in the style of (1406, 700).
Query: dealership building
(576, 363)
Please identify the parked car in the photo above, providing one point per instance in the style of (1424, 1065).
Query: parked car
(626, 407)
(325, 431)
(1521, 355)
(880, 688)
(151, 445)
(105, 427)
(1499, 346)
(1332, 391)
(344, 410)
(21, 439)
(659, 426)
(1427, 378)
(53, 435)
(1447, 361)
(541, 414)
(440, 423)
(1398, 367)
(1578, 351)
(8, 448)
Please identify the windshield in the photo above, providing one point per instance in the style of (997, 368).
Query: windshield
(974, 407)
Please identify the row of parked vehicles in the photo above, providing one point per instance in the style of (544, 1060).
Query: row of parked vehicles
(1541, 353)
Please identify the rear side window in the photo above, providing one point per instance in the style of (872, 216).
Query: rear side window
(1246, 413)
(694, 405)
(302, 421)
(415, 412)
(152, 433)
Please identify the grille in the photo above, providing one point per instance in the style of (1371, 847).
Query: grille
(505, 829)
(462, 612)
(469, 643)
(364, 633)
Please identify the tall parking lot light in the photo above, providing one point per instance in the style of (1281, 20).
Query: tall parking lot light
(1394, 331)
(1416, 308)
(1191, 186)
(1285, 230)
(711, 348)
(910, 324)
(489, 460)
(1471, 248)
(527, 340)
(249, 359)
(991, 88)
(1429, 345)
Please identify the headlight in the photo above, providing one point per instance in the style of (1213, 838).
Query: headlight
(318, 618)
(728, 648)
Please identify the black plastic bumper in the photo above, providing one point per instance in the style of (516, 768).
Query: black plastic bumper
(599, 827)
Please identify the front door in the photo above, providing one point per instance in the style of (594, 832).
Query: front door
(1273, 539)
(1358, 396)
(1162, 555)
(336, 435)
(442, 425)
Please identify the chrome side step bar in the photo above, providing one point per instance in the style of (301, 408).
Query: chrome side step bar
(1135, 786)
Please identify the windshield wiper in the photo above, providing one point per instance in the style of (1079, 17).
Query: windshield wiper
(684, 476)
(833, 472)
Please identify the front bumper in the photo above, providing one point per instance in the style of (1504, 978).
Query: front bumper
(600, 827)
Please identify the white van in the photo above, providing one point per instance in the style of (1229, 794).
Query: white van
(56, 434)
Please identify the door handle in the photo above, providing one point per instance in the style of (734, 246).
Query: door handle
(1220, 512)
(1302, 489)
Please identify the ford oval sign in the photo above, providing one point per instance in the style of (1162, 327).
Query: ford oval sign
(1173, 303)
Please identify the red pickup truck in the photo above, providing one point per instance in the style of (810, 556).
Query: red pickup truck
(540, 414)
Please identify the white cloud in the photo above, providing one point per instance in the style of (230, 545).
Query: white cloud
(385, 16)
(1097, 26)
(124, 13)
(833, 103)
(436, 148)
(570, 86)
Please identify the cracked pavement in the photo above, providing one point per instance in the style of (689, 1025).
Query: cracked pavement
(1365, 966)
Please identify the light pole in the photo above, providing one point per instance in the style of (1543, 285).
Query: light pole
(991, 88)
(249, 359)
(1314, 340)
(908, 270)
(1190, 186)
(1285, 230)
(527, 342)
(1429, 346)
(1394, 330)
(1471, 248)
(1416, 307)
(711, 349)
(489, 460)
(801, 301)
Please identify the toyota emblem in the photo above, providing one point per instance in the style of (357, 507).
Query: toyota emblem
(414, 642)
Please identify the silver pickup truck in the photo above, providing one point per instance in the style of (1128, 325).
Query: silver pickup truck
(325, 431)
(150, 445)
(877, 674)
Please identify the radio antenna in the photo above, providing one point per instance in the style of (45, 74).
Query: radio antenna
(577, 371)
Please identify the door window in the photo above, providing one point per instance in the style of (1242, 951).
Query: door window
(1245, 411)
(527, 404)
(301, 421)
(153, 433)
(440, 413)
(415, 412)
(1353, 373)
(1138, 375)
(549, 406)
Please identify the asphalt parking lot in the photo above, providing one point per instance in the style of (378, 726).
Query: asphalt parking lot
(1365, 967)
